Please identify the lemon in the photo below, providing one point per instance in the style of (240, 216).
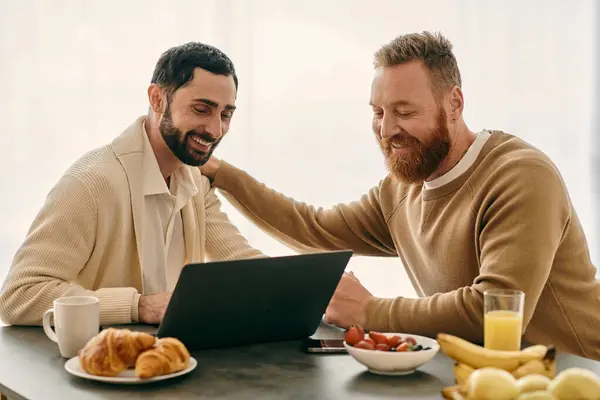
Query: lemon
(532, 383)
(575, 384)
(491, 384)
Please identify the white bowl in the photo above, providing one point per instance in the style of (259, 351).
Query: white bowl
(395, 363)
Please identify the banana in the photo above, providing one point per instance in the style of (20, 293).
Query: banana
(536, 367)
(465, 352)
(453, 393)
(550, 368)
(462, 373)
(546, 366)
(532, 367)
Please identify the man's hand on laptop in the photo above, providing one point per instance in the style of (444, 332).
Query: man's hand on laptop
(151, 308)
(348, 304)
(209, 169)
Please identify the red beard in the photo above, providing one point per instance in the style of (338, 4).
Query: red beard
(423, 158)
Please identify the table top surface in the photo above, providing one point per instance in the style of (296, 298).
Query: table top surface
(31, 367)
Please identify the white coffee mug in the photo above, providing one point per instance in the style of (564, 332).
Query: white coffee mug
(76, 321)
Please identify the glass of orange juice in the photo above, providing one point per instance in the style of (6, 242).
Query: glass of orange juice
(503, 319)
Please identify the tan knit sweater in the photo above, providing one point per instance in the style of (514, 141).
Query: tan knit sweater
(507, 222)
(86, 239)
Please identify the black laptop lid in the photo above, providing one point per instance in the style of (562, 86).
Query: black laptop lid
(240, 302)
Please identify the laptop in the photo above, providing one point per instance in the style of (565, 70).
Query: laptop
(260, 300)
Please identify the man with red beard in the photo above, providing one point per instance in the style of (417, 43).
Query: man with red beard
(465, 211)
(125, 218)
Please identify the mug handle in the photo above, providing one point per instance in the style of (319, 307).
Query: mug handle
(47, 328)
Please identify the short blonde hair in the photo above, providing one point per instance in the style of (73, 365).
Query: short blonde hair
(433, 49)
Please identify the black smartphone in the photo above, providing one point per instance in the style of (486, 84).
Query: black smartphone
(324, 346)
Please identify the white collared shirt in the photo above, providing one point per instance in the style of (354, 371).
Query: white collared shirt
(163, 241)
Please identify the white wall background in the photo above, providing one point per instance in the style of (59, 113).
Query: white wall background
(74, 73)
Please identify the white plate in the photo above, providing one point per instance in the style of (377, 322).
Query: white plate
(126, 377)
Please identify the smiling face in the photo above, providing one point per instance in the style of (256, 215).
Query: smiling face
(197, 116)
(409, 121)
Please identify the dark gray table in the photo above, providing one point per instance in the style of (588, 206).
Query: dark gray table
(31, 368)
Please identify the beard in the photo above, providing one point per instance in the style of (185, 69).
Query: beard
(178, 141)
(423, 158)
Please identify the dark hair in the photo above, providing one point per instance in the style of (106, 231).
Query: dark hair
(175, 67)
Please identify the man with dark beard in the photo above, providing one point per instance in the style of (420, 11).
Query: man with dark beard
(125, 218)
(466, 212)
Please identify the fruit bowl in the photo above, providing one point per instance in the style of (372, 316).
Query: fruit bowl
(395, 362)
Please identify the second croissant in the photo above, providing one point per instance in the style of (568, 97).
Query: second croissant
(167, 356)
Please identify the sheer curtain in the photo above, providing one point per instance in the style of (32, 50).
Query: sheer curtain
(75, 73)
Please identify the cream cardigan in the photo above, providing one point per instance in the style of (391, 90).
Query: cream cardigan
(86, 238)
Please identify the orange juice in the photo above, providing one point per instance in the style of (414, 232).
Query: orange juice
(502, 330)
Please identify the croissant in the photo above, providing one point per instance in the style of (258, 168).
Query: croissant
(114, 350)
(168, 355)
